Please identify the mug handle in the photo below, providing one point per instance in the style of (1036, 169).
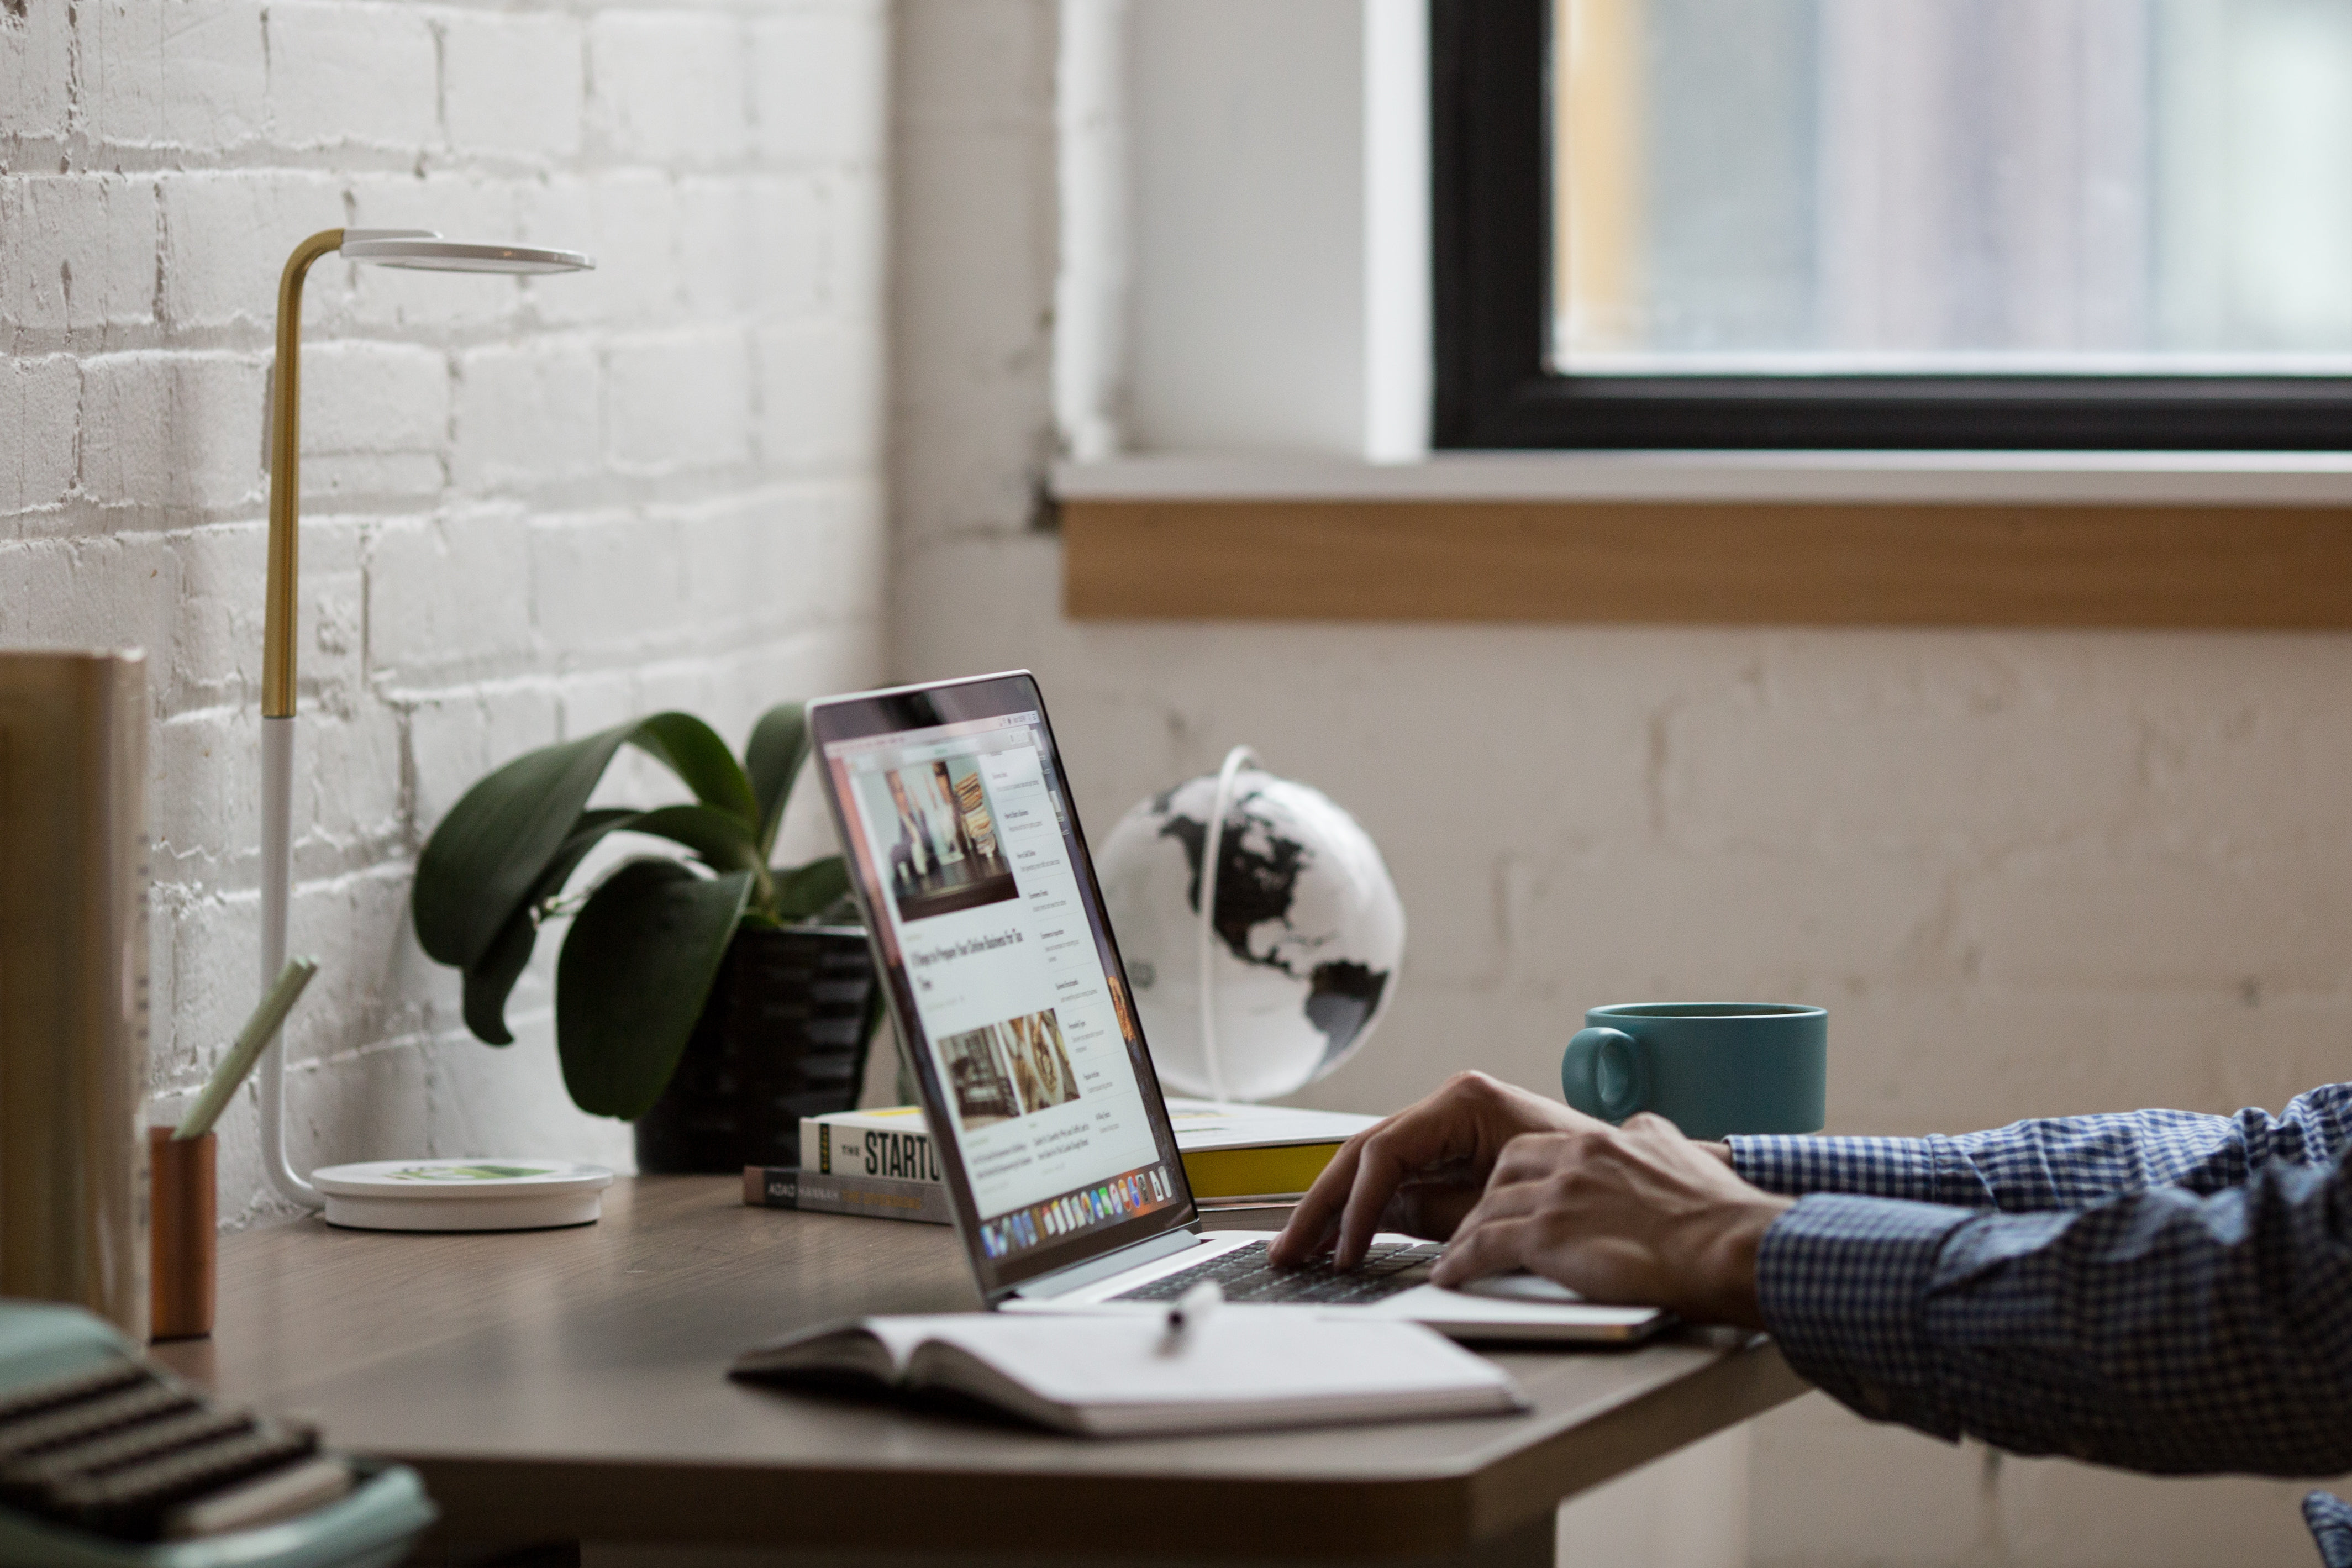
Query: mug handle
(1603, 1074)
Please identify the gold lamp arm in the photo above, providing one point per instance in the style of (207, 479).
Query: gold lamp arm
(281, 596)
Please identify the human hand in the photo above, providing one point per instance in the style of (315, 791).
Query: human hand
(1420, 1171)
(1637, 1215)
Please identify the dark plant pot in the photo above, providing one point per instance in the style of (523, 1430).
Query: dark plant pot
(784, 1036)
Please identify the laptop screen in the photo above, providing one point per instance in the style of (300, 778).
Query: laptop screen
(1005, 983)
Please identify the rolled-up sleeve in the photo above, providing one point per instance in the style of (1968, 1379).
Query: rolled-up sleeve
(2163, 1330)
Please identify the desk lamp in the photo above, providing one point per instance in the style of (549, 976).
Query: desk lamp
(411, 247)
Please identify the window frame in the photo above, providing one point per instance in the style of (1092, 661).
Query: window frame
(1490, 272)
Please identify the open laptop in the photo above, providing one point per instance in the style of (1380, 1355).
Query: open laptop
(1005, 983)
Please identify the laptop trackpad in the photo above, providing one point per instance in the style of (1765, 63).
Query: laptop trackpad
(1522, 1288)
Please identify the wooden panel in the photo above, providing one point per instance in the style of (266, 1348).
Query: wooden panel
(1843, 565)
(571, 1384)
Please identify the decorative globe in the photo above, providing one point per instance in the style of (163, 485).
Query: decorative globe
(1302, 947)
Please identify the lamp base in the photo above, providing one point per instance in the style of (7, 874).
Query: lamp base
(462, 1195)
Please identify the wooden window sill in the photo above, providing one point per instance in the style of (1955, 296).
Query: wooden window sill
(2251, 541)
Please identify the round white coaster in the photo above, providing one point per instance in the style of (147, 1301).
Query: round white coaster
(462, 1195)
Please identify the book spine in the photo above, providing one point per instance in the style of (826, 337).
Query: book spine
(832, 1150)
(788, 1187)
(73, 982)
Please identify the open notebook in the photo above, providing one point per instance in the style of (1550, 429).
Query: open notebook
(1124, 1376)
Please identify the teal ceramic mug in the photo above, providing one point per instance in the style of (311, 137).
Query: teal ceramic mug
(1712, 1069)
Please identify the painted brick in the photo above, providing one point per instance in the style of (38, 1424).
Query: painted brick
(513, 84)
(109, 591)
(449, 594)
(173, 73)
(36, 65)
(439, 633)
(856, 230)
(344, 73)
(983, 363)
(748, 564)
(206, 825)
(330, 640)
(821, 396)
(76, 252)
(677, 402)
(793, 238)
(215, 650)
(40, 403)
(349, 804)
(820, 85)
(614, 584)
(529, 414)
(628, 221)
(670, 87)
(375, 420)
(172, 430)
(2080, 915)
(226, 239)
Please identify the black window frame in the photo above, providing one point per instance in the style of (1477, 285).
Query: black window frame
(1491, 275)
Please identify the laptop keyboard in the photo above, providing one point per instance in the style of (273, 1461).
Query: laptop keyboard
(1245, 1275)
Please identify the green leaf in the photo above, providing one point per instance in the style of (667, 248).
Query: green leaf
(694, 753)
(810, 889)
(490, 980)
(496, 843)
(481, 862)
(778, 745)
(634, 973)
(724, 843)
(489, 983)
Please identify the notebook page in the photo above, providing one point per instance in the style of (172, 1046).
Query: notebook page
(1237, 1356)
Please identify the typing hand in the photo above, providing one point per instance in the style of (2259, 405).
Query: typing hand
(1637, 1215)
(1418, 1172)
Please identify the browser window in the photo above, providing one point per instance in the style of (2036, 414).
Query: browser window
(964, 841)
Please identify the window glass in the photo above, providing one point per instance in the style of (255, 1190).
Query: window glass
(1948, 186)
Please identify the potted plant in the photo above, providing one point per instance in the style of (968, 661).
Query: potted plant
(709, 997)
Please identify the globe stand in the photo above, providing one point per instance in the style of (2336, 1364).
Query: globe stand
(1212, 852)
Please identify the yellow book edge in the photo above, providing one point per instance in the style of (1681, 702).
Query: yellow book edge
(1256, 1172)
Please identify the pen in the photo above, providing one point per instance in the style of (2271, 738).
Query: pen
(1189, 1310)
(259, 1028)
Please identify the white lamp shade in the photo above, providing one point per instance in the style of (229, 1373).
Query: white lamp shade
(434, 253)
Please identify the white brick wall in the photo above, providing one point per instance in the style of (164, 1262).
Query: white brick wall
(532, 508)
(2027, 873)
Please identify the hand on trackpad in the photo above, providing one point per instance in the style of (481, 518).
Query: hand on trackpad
(1521, 1288)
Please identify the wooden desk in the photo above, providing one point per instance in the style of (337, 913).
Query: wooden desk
(568, 1385)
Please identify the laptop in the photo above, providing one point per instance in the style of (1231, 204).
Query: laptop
(1002, 975)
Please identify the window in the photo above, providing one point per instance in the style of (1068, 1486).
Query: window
(2030, 224)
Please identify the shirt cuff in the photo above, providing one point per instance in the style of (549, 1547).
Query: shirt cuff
(1843, 1285)
(1923, 1170)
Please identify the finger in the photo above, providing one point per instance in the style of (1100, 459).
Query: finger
(1484, 1248)
(1501, 1204)
(1381, 1169)
(1356, 1189)
(1434, 1134)
(1317, 1214)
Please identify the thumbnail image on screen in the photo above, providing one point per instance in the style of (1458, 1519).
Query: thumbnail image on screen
(939, 831)
(1010, 1070)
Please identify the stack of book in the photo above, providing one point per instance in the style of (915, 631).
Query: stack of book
(881, 1161)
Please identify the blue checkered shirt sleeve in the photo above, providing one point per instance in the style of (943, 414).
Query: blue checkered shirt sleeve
(2063, 1162)
(2161, 1291)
